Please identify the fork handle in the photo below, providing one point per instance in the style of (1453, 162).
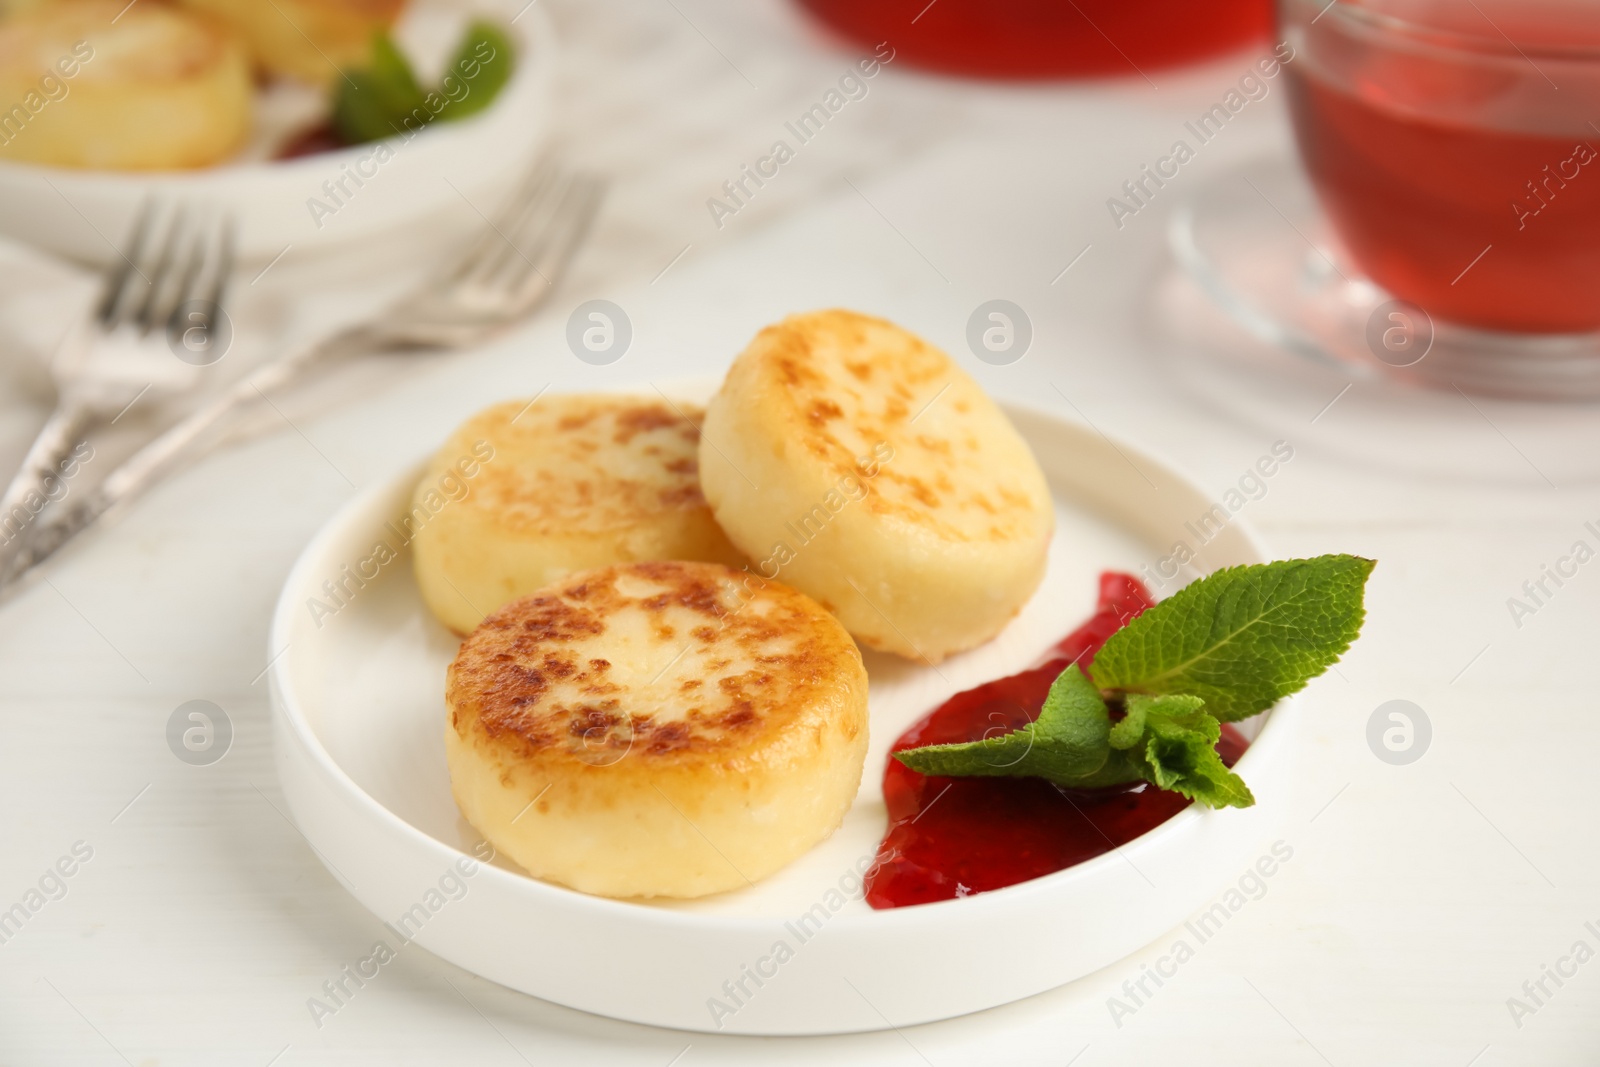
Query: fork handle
(30, 490)
(148, 464)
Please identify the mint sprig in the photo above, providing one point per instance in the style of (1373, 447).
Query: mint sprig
(1069, 741)
(385, 99)
(1219, 650)
(1177, 750)
(1243, 638)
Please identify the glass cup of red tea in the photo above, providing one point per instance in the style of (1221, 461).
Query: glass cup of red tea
(1030, 39)
(1455, 148)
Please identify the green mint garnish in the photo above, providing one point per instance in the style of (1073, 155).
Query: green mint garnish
(385, 100)
(1167, 740)
(1219, 650)
(486, 54)
(1177, 750)
(1069, 741)
(1242, 638)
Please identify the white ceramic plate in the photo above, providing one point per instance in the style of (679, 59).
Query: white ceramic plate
(79, 213)
(359, 724)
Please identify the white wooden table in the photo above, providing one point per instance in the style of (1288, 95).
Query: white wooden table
(1419, 897)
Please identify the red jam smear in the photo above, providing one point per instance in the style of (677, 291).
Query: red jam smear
(954, 837)
(314, 141)
(1122, 596)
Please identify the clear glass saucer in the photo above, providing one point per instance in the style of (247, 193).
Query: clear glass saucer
(1256, 242)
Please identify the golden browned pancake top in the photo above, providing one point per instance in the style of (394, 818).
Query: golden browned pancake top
(662, 661)
(557, 471)
(860, 394)
(150, 43)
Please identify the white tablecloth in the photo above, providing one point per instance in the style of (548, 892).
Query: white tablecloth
(1420, 898)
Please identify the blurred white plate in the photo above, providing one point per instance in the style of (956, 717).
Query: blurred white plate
(358, 723)
(86, 214)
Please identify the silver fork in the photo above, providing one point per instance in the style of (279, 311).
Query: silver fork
(159, 298)
(508, 271)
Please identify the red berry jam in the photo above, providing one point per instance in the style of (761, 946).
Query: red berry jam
(314, 141)
(1122, 596)
(1047, 38)
(953, 837)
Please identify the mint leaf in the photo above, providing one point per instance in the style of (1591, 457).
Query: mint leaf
(1242, 638)
(371, 104)
(385, 100)
(1179, 751)
(1067, 743)
(392, 71)
(1218, 650)
(1166, 740)
(1128, 732)
(483, 61)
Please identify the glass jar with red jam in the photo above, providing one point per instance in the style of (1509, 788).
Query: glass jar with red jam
(1033, 39)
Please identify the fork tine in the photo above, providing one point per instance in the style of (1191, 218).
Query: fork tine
(172, 271)
(174, 295)
(537, 217)
(207, 282)
(592, 194)
(533, 189)
(198, 274)
(488, 250)
(114, 299)
(558, 237)
(218, 289)
(492, 247)
(487, 238)
(527, 260)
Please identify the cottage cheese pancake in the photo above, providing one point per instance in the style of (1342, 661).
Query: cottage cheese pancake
(861, 465)
(525, 494)
(657, 729)
(97, 83)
